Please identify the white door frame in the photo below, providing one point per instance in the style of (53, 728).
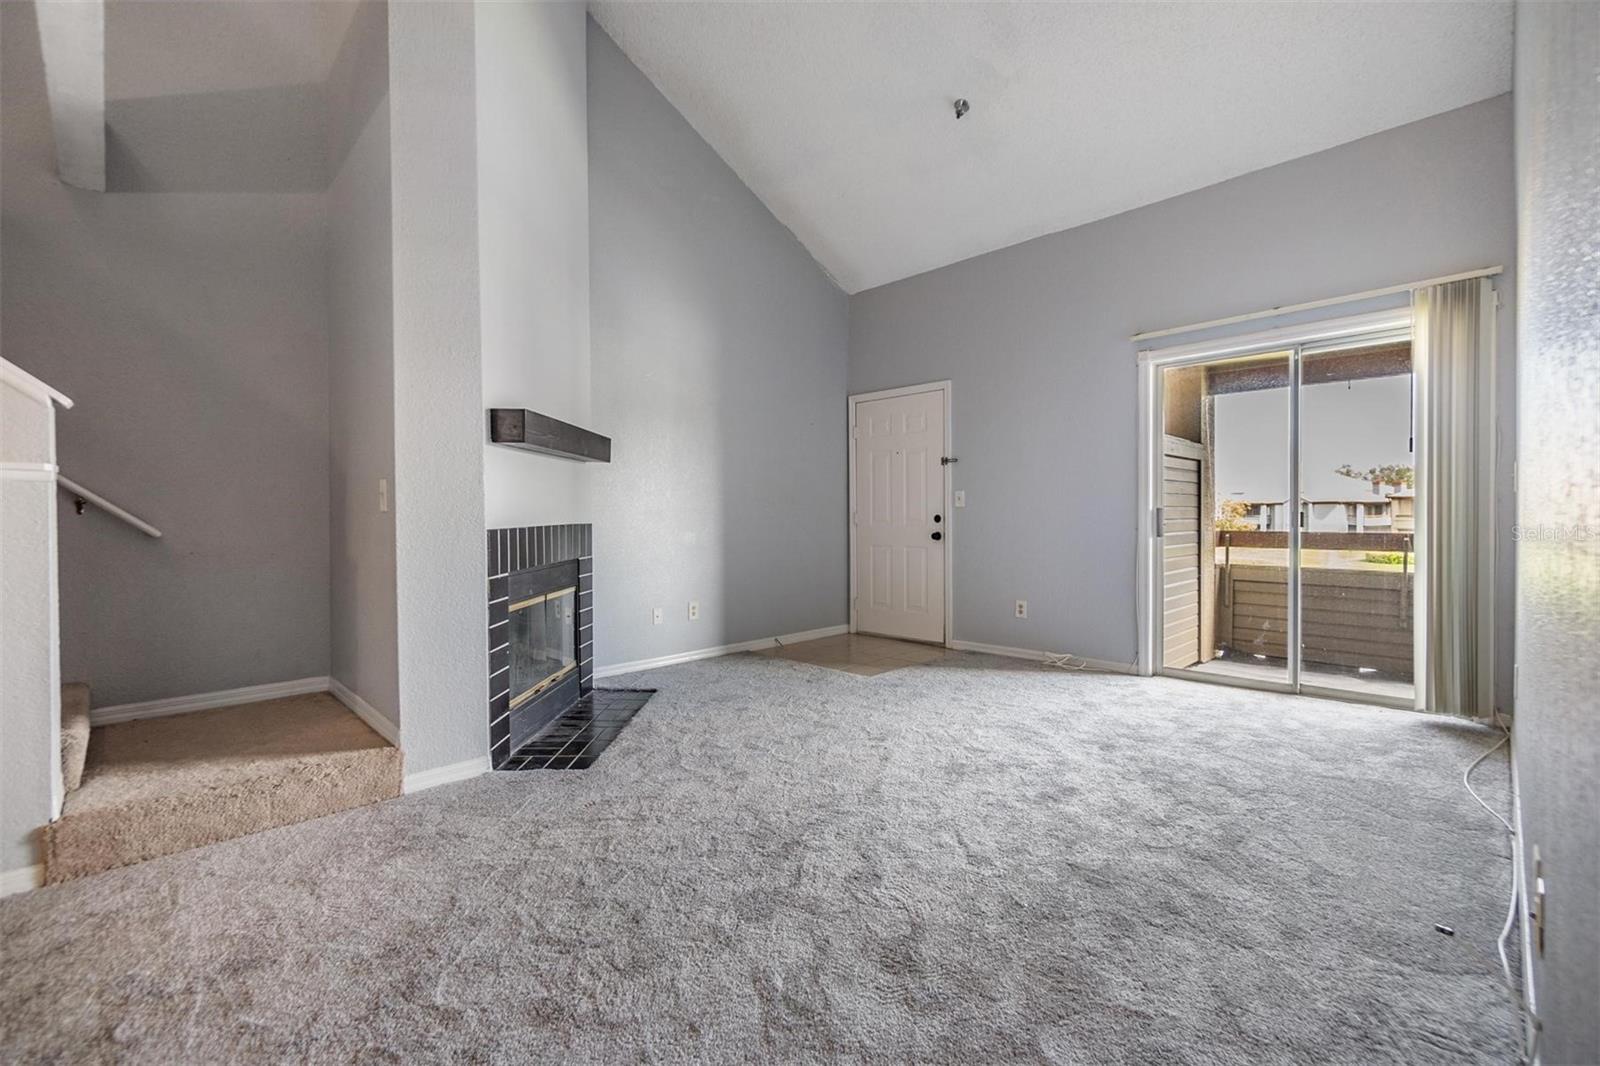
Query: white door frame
(1148, 563)
(949, 500)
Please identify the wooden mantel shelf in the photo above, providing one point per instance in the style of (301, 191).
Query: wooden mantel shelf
(533, 432)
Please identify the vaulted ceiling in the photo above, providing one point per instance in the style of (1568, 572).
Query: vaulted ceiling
(839, 115)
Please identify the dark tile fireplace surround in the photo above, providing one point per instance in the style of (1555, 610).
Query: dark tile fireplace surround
(534, 565)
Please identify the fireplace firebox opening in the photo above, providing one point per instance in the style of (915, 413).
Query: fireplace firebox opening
(542, 639)
(542, 632)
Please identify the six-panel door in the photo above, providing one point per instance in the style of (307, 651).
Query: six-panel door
(900, 516)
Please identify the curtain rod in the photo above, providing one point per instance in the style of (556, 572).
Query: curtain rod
(1311, 305)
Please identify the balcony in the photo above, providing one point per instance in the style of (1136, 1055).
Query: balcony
(1357, 610)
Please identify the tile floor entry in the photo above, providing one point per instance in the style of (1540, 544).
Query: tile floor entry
(857, 653)
(575, 739)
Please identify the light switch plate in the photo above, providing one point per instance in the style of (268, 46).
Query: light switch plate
(961, 497)
(657, 616)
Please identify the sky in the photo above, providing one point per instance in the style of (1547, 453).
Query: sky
(1363, 423)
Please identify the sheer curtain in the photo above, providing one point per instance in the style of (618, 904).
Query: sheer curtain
(1453, 354)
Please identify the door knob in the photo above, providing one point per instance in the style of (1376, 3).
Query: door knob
(937, 535)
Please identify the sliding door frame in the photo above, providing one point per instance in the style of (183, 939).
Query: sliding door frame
(1294, 340)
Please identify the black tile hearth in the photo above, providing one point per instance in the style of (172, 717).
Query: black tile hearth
(575, 740)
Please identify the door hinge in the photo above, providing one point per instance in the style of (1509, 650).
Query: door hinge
(1161, 521)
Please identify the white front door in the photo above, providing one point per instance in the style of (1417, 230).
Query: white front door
(900, 515)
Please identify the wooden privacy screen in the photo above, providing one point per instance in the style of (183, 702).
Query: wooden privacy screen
(1350, 618)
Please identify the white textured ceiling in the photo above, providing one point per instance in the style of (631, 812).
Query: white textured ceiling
(838, 115)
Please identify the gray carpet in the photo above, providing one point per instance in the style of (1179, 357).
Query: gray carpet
(973, 860)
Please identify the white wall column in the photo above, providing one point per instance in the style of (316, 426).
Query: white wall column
(439, 418)
(30, 641)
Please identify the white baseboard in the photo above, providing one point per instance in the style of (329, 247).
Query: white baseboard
(1104, 665)
(365, 711)
(444, 775)
(127, 712)
(23, 880)
(722, 649)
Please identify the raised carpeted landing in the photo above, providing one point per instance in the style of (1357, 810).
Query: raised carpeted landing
(970, 860)
(162, 785)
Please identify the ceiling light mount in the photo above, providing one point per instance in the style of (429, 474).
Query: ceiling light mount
(962, 107)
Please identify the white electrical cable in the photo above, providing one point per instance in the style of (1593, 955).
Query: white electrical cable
(1529, 1021)
(1518, 1004)
(1466, 779)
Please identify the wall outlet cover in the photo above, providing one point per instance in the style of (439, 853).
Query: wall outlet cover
(694, 610)
(1022, 608)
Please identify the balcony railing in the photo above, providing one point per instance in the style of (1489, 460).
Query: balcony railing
(1351, 617)
(1372, 542)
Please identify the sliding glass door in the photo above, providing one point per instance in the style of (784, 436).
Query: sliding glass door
(1226, 467)
(1358, 528)
(1283, 544)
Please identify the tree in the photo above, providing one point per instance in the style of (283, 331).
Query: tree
(1230, 515)
(1391, 474)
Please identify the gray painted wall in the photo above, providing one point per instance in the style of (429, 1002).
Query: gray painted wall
(442, 612)
(533, 248)
(186, 316)
(1558, 579)
(719, 361)
(1035, 340)
(360, 297)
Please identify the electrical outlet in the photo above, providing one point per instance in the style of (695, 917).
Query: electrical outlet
(694, 610)
(961, 497)
(658, 615)
(1022, 608)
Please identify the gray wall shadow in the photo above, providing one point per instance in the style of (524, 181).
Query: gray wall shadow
(250, 140)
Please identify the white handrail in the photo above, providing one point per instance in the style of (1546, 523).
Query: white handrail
(14, 375)
(85, 496)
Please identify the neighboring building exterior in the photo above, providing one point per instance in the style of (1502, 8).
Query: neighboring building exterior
(1403, 508)
(1264, 515)
(1392, 513)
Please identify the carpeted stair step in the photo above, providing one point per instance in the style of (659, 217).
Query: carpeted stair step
(74, 732)
(156, 786)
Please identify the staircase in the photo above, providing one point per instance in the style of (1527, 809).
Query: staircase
(139, 789)
(74, 733)
(154, 786)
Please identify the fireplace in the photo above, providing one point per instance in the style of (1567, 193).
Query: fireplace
(542, 631)
(541, 649)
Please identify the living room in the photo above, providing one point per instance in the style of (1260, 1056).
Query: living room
(916, 532)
